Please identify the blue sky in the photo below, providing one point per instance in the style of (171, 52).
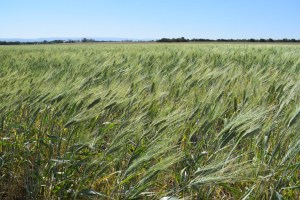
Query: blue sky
(153, 19)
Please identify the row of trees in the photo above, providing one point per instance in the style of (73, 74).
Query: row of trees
(38, 42)
(84, 40)
(182, 39)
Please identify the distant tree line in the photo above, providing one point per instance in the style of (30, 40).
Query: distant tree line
(38, 42)
(84, 40)
(182, 39)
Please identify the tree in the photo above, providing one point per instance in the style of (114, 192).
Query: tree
(87, 40)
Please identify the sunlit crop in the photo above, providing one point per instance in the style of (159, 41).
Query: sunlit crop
(143, 121)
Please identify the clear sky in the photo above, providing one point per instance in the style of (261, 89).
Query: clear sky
(152, 19)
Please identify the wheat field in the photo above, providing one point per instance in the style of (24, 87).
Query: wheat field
(144, 121)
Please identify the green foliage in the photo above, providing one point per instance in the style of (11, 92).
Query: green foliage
(144, 121)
